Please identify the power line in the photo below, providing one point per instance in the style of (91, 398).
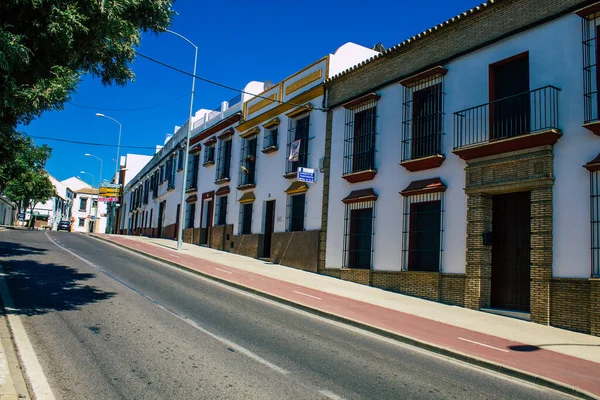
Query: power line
(130, 109)
(219, 84)
(89, 143)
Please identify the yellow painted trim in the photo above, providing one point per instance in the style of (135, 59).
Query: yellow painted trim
(282, 108)
(320, 60)
(300, 110)
(304, 81)
(272, 123)
(251, 132)
(247, 197)
(262, 104)
(302, 187)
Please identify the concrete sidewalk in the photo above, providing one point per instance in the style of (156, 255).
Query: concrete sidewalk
(550, 356)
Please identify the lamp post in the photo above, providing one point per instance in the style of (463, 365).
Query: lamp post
(187, 143)
(113, 210)
(98, 198)
(118, 142)
(93, 177)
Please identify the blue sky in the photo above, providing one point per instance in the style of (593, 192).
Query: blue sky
(239, 41)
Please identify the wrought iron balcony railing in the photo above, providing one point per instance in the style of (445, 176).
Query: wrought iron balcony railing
(521, 114)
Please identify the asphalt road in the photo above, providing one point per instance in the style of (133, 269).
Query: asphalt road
(109, 324)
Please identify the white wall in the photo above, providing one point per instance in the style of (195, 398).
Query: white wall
(348, 55)
(390, 180)
(6, 212)
(133, 165)
(88, 212)
(555, 59)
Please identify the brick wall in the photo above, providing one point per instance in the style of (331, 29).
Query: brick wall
(219, 237)
(362, 276)
(247, 245)
(296, 249)
(196, 236)
(452, 289)
(188, 235)
(595, 307)
(467, 33)
(421, 284)
(570, 304)
(333, 272)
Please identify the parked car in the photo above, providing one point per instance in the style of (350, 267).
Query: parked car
(64, 226)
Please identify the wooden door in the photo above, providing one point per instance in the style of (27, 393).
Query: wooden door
(161, 215)
(177, 221)
(269, 227)
(509, 94)
(511, 242)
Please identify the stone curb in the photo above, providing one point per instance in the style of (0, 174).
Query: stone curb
(479, 362)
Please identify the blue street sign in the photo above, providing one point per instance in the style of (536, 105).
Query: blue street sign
(306, 174)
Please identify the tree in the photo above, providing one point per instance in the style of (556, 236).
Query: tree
(47, 45)
(30, 188)
(19, 156)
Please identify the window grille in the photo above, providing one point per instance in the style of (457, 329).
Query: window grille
(221, 211)
(359, 235)
(299, 128)
(296, 206)
(245, 220)
(595, 221)
(224, 160)
(589, 33)
(209, 154)
(423, 118)
(271, 138)
(173, 172)
(155, 185)
(190, 213)
(192, 175)
(359, 137)
(247, 174)
(423, 232)
(180, 159)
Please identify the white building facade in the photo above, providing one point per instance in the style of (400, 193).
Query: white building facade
(242, 193)
(456, 165)
(87, 213)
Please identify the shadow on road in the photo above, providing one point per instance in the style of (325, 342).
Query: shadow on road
(38, 288)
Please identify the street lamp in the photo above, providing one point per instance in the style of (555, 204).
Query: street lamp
(93, 177)
(113, 210)
(98, 198)
(187, 143)
(118, 143)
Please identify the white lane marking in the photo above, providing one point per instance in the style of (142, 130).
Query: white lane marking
(31, 364)
(308, 295)
(330, 395)
(173, 255)
(222, 270)
(185, 319)
(483, 344)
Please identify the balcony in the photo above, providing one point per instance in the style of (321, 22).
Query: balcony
(517, 122)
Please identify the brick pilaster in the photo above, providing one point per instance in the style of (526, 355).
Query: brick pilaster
(325, 204)
(594, 307)
(541, 254)
(479, 257)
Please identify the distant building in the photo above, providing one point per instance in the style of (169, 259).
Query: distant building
(83, 209)
(56, 209)
(7, 211)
